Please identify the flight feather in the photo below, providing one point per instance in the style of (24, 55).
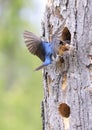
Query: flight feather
(56, 37)
(34, 44)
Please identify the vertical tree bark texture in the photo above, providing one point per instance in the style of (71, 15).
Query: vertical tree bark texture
(67, 103)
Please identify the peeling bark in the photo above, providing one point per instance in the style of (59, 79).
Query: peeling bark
(67, 103)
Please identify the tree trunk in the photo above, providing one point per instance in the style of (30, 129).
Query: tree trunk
(67, 103)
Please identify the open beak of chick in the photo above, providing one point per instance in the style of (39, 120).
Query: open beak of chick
(64, 46)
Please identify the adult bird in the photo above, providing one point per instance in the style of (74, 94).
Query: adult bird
(43, 49)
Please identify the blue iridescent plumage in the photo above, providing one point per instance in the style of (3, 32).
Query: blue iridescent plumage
(44, 50)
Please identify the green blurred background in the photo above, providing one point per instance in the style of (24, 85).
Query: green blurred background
(20, 87)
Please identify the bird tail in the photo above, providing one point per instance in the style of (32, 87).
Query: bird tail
(40, 67)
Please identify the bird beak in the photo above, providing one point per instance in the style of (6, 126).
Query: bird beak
(65, 47)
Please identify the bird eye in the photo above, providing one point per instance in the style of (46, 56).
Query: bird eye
(61, 42)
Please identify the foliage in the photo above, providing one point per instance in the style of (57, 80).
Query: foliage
(20, 86)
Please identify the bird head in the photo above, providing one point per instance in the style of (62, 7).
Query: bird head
(64, 46)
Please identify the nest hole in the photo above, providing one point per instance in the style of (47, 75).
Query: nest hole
(64, 110)
(66, 35)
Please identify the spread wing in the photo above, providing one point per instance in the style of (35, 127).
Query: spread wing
(34, 44)
(56, 37)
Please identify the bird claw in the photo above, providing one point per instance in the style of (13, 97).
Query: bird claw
(71, 48)
(57, 58)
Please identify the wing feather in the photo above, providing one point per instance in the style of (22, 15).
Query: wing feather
(34, 44)
(56, 37)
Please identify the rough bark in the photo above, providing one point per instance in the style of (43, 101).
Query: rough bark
(67, 103)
